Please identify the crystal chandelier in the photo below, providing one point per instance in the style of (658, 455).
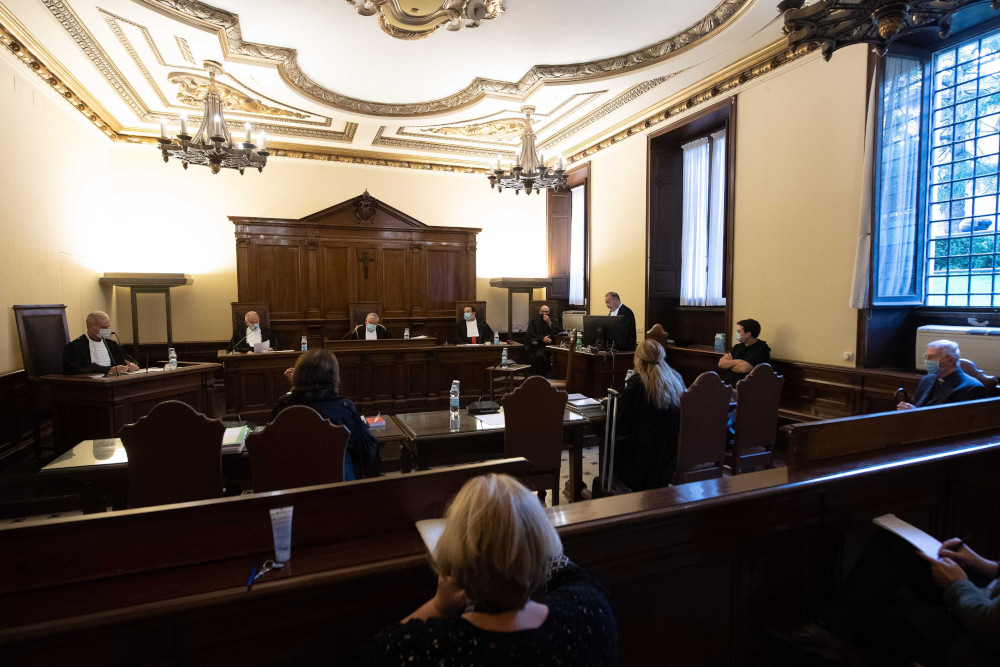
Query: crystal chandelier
(834, 24)
(212, 145)
(529, 173)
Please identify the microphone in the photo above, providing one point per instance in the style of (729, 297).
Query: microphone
(111, 357)
(128, 358)
(233, 348)
(351, 331)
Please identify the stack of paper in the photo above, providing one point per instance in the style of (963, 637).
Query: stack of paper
(584, 405)
(233, 439)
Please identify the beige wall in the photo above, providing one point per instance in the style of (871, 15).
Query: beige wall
(800, 143)
(796, 214)
(53, 194)
(800, 139)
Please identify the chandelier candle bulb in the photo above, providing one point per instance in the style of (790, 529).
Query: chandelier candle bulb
(163, 129)
(184, 127)
(248, 133)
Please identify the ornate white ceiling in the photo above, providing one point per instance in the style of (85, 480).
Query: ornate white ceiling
(327, 82)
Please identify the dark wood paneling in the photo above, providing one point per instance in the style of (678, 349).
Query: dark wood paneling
(560, 237)
(310, 269)
(278, 278)
(15, 419)
(334, 275)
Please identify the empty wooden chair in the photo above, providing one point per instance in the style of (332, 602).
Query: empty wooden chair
(300, 448)
(174, 456)
(564, 383)
(704, 431)
(43, 333)
(533, 417)
(659, 334)
(989, 381)
(756, 423)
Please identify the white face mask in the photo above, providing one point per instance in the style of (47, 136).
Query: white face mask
(739, 336)
(254, 326)
(468, 316)
(371, 327)
(104, 333)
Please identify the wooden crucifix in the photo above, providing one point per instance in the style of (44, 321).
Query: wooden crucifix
(365, 259)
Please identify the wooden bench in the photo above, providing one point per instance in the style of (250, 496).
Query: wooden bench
(694, 570)
(821, 440)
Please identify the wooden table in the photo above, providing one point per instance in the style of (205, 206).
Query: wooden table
(506, 375)
(85, 407)
(593, 372)
(101, 466)
(387, 376)
(431, 440)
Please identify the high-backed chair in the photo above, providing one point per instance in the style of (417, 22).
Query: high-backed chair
(174, 456)
(553, 305)
(241, 308)
(659, 334)
(480, 310)
(988, 381)
(43, 333)
(564, 383)
(533, 418)
(701, 443)
(756, 425)
(300, 448)
(359, 311)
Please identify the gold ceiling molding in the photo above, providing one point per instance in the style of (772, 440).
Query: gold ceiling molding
(429, 15)
(489, 152)
(26, 56)
(185, 50)
(192, 89)
(71, 23)
(113, 22)
(286, 59)
(708, 90)
(498, 129)
(603, 110)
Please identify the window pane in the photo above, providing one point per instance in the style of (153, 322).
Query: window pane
(961, 252)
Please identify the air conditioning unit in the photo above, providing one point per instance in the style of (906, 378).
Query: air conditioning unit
(980, 344)
(573, 319)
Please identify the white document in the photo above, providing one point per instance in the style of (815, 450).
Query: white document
(583, 402)
(575, 397)
(494, 420)
(262, 346)
(430, 532)
(910, 533)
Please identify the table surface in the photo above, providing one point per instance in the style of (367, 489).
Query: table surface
(109, 453)
(511, 368)
(437, 424)
(141, 375)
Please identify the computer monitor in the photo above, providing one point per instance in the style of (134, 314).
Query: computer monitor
(603, 331)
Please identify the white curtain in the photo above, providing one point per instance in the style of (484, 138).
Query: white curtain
(862, 257)
(899, 178)
(716, 220)
(704, 214)
(577, 253)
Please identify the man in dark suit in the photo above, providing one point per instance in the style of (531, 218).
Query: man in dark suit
(244, 338)
(371, 330)
(616, 307)
(541, 333)
(470, 330)
(945, 381)
(94, 351)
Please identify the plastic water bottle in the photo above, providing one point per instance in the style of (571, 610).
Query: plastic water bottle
(305, 343)
(453, 402)
(406, 333)
(720, 342)
(496, 341)
(504, 361)
(171, 359)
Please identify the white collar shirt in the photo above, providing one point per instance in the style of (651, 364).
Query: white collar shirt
(472, 328)
(615, 311)
(254, 337)
(371, 335)
(99, 352)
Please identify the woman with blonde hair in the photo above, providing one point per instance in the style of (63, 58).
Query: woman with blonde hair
(648, 421)
(506, 593)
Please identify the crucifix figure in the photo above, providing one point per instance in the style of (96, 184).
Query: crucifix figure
(365, 259)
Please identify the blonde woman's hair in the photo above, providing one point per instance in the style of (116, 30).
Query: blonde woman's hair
(497, 543)
(663, 384)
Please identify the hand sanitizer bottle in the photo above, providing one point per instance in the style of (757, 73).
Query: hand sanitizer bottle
(305, 343)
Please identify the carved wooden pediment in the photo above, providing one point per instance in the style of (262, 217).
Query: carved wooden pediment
(363, 211)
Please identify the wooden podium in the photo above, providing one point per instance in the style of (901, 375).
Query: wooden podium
(87, 408)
